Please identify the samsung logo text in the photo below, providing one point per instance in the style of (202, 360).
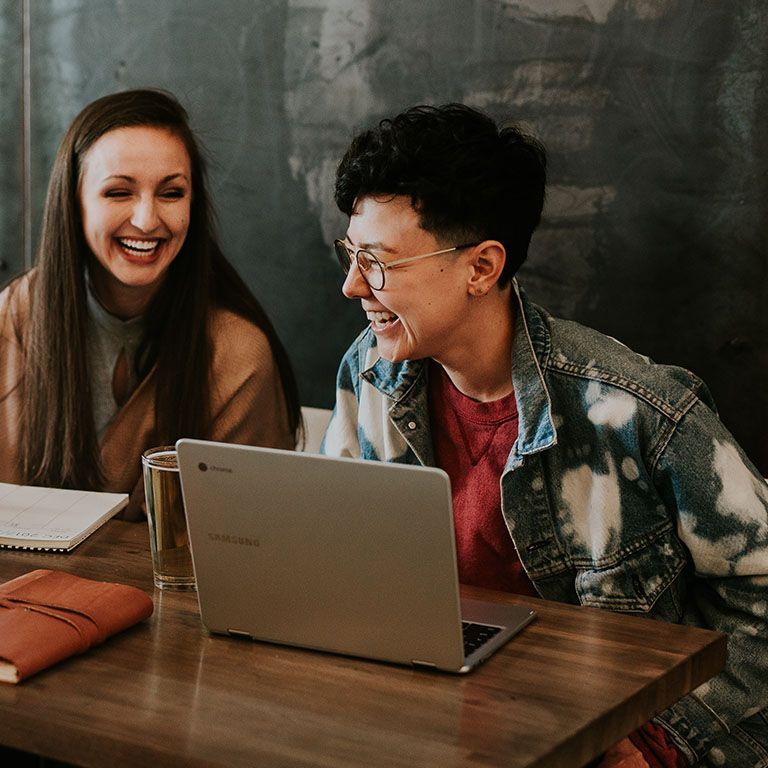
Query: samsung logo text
(226, 538)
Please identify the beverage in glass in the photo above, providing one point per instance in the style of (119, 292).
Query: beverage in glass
(168, 537)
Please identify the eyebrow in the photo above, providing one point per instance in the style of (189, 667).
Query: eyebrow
(164, 180)
(374, 246)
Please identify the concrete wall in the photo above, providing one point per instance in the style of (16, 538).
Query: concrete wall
(653, 111)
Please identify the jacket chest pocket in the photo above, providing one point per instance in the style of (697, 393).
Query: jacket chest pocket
(648, 580)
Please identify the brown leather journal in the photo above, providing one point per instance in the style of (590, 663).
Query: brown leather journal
(46, 616)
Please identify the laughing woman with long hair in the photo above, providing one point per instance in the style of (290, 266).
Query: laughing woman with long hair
(133, 330)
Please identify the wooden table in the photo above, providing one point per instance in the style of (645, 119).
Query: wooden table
(166, 694)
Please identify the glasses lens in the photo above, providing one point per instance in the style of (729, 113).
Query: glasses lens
(371, 269)
(343, 255)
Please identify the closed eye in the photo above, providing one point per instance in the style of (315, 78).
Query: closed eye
(174, 194)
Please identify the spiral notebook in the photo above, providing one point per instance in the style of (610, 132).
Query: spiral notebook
(55, 519)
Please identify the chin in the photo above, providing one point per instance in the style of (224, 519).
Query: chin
(395, 355)
(140, 276)
(399, 349)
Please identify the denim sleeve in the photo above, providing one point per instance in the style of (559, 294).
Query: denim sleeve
(721, 503)
(341, 438)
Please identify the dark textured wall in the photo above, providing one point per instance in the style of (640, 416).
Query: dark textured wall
(11, 146)
(653, 111)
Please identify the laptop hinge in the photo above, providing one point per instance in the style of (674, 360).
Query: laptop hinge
(238, 633)
(417, 663)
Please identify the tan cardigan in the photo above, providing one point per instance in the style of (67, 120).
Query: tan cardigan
(247, 402)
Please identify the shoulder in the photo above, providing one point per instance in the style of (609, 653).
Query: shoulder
(15, 300)
(241, 357)
(16, 294)
(244, 377)
(247, 397)
(238, 342)
(576, 353)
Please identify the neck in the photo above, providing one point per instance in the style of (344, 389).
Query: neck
(481, 368)
(123, 301)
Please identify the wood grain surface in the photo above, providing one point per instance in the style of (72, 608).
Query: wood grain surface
(165, 693)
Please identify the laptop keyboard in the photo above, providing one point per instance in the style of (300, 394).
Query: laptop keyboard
(476, 634)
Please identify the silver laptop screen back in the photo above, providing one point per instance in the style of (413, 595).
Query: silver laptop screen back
(342, 555)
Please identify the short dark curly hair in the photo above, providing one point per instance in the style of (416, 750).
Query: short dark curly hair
(467, 178)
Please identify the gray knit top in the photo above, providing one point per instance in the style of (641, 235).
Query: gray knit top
(107, 335)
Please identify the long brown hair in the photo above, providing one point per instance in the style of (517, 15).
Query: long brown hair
(59, 444)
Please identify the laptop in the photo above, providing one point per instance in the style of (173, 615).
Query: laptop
(340, 555)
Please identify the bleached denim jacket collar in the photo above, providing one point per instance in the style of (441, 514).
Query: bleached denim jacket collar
(405, 382)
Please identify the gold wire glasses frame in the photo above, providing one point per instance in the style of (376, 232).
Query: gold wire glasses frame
(372, 269)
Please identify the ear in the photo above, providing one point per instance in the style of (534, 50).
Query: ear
(487, 262)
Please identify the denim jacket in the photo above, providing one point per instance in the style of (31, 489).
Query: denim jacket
(622, 491)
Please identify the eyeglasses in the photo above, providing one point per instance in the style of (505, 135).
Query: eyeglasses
(372, 269)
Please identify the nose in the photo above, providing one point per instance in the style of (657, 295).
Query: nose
(144, 215)
(355, 286)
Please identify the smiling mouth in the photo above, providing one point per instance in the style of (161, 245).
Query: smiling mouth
(139, 247)
(381, 320)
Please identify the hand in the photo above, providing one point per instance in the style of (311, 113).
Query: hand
(624, 754)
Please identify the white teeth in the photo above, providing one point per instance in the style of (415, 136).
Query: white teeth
(381, 317)
(145, 246)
